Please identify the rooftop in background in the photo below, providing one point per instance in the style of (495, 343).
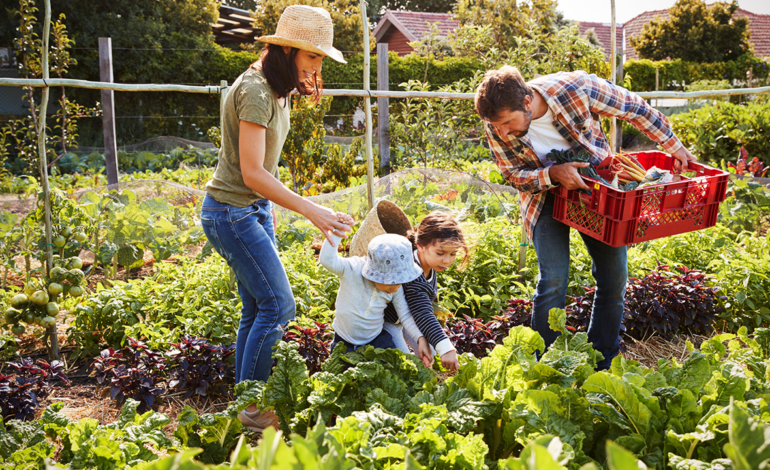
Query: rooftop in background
(603, 32)
(399, 28)
(234, 27)
(759, 28)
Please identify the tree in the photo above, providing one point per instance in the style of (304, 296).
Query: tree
(695, 32)
(346, 16)
(429, 6)
(509, 18)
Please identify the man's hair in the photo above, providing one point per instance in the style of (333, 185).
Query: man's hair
(501, 89)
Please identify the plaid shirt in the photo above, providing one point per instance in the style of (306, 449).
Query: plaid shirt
(576, 99)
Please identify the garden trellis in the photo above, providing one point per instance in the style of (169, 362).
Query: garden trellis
(45, 83)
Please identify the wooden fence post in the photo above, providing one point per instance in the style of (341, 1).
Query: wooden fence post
(53, 336)
(383, 104)
(108, 112)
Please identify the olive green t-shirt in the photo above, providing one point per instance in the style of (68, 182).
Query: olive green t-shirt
(249, 99)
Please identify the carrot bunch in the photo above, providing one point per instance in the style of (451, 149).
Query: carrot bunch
(627, 169)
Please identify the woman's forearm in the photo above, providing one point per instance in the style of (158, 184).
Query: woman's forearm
(261, 181)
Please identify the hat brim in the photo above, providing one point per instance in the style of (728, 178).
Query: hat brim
(373, 275)
(328, 51)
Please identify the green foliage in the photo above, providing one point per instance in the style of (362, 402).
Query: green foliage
(508, 18)
(676, 73)
(491, 278)
(189, 297)
(695, 32)
(717, 133)
(376, 408)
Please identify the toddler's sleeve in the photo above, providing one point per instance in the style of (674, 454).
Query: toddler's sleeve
(330, 259)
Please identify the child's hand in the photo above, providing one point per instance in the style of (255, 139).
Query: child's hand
(345, 219)
(449, 361)
(424, 352)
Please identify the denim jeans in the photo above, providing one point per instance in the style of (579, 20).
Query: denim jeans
(245, 238)
(610, 270)
(382, 341)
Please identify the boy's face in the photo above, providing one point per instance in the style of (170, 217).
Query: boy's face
(387, 288)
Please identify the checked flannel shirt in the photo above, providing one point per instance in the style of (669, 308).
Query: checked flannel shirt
(577, 100)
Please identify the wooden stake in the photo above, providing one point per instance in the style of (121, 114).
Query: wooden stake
(368, 110)
(53, 346)
(108, 113)
(613, 76)
(383, 113)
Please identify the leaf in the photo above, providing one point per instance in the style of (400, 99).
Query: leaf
(623, 396)
(619, 458)
(748, 447)
(288, 387)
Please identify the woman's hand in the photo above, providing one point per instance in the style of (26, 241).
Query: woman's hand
(328, 222)
(449, 361)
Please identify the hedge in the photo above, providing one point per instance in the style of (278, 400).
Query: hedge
(675, 74)
(716, 133)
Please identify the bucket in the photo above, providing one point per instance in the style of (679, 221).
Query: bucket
(385, 217)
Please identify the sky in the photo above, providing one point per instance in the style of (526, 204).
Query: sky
(600, 10)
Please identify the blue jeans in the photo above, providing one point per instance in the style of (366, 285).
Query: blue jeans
(383, 341)
(610, 270)
(245, 238)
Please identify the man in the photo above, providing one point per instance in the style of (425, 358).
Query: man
(524, 121)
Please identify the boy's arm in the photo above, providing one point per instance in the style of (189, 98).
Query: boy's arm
(421, 308)
(330, 259)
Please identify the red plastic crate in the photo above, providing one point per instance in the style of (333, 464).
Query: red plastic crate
(620, 218)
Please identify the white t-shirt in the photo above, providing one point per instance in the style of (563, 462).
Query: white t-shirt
(544, 137)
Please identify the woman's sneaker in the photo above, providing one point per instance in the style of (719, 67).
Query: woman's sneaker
(258, 421)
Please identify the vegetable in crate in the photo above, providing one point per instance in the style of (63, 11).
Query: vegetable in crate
(567, 156)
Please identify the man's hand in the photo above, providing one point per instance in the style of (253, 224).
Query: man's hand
(449, 361)
(567, 175)
(424, 352)
(683, 156)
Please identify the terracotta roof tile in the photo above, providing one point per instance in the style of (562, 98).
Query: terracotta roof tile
(603, 32)
(417, 22)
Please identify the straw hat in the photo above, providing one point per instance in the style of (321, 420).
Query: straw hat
(306, 28)
(385, 217)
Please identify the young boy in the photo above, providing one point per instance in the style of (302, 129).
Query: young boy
(367, 285)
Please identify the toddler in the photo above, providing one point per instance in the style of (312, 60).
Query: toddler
(367, 285)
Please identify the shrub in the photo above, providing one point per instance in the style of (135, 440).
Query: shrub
(716, 133)
(473, 336)
(22, 392)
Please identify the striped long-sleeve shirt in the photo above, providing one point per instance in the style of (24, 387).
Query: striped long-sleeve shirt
(577, 100)
(420, 295)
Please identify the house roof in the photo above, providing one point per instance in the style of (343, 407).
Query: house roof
(603, 32)
(414, 25)
(759, 30)
(234, 26)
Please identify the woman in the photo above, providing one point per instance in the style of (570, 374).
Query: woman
(436, 243)
(237, 214)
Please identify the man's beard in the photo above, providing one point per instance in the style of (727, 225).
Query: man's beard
(528, 116)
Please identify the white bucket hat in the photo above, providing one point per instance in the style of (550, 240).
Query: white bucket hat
(390, 260)
(307, 28)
